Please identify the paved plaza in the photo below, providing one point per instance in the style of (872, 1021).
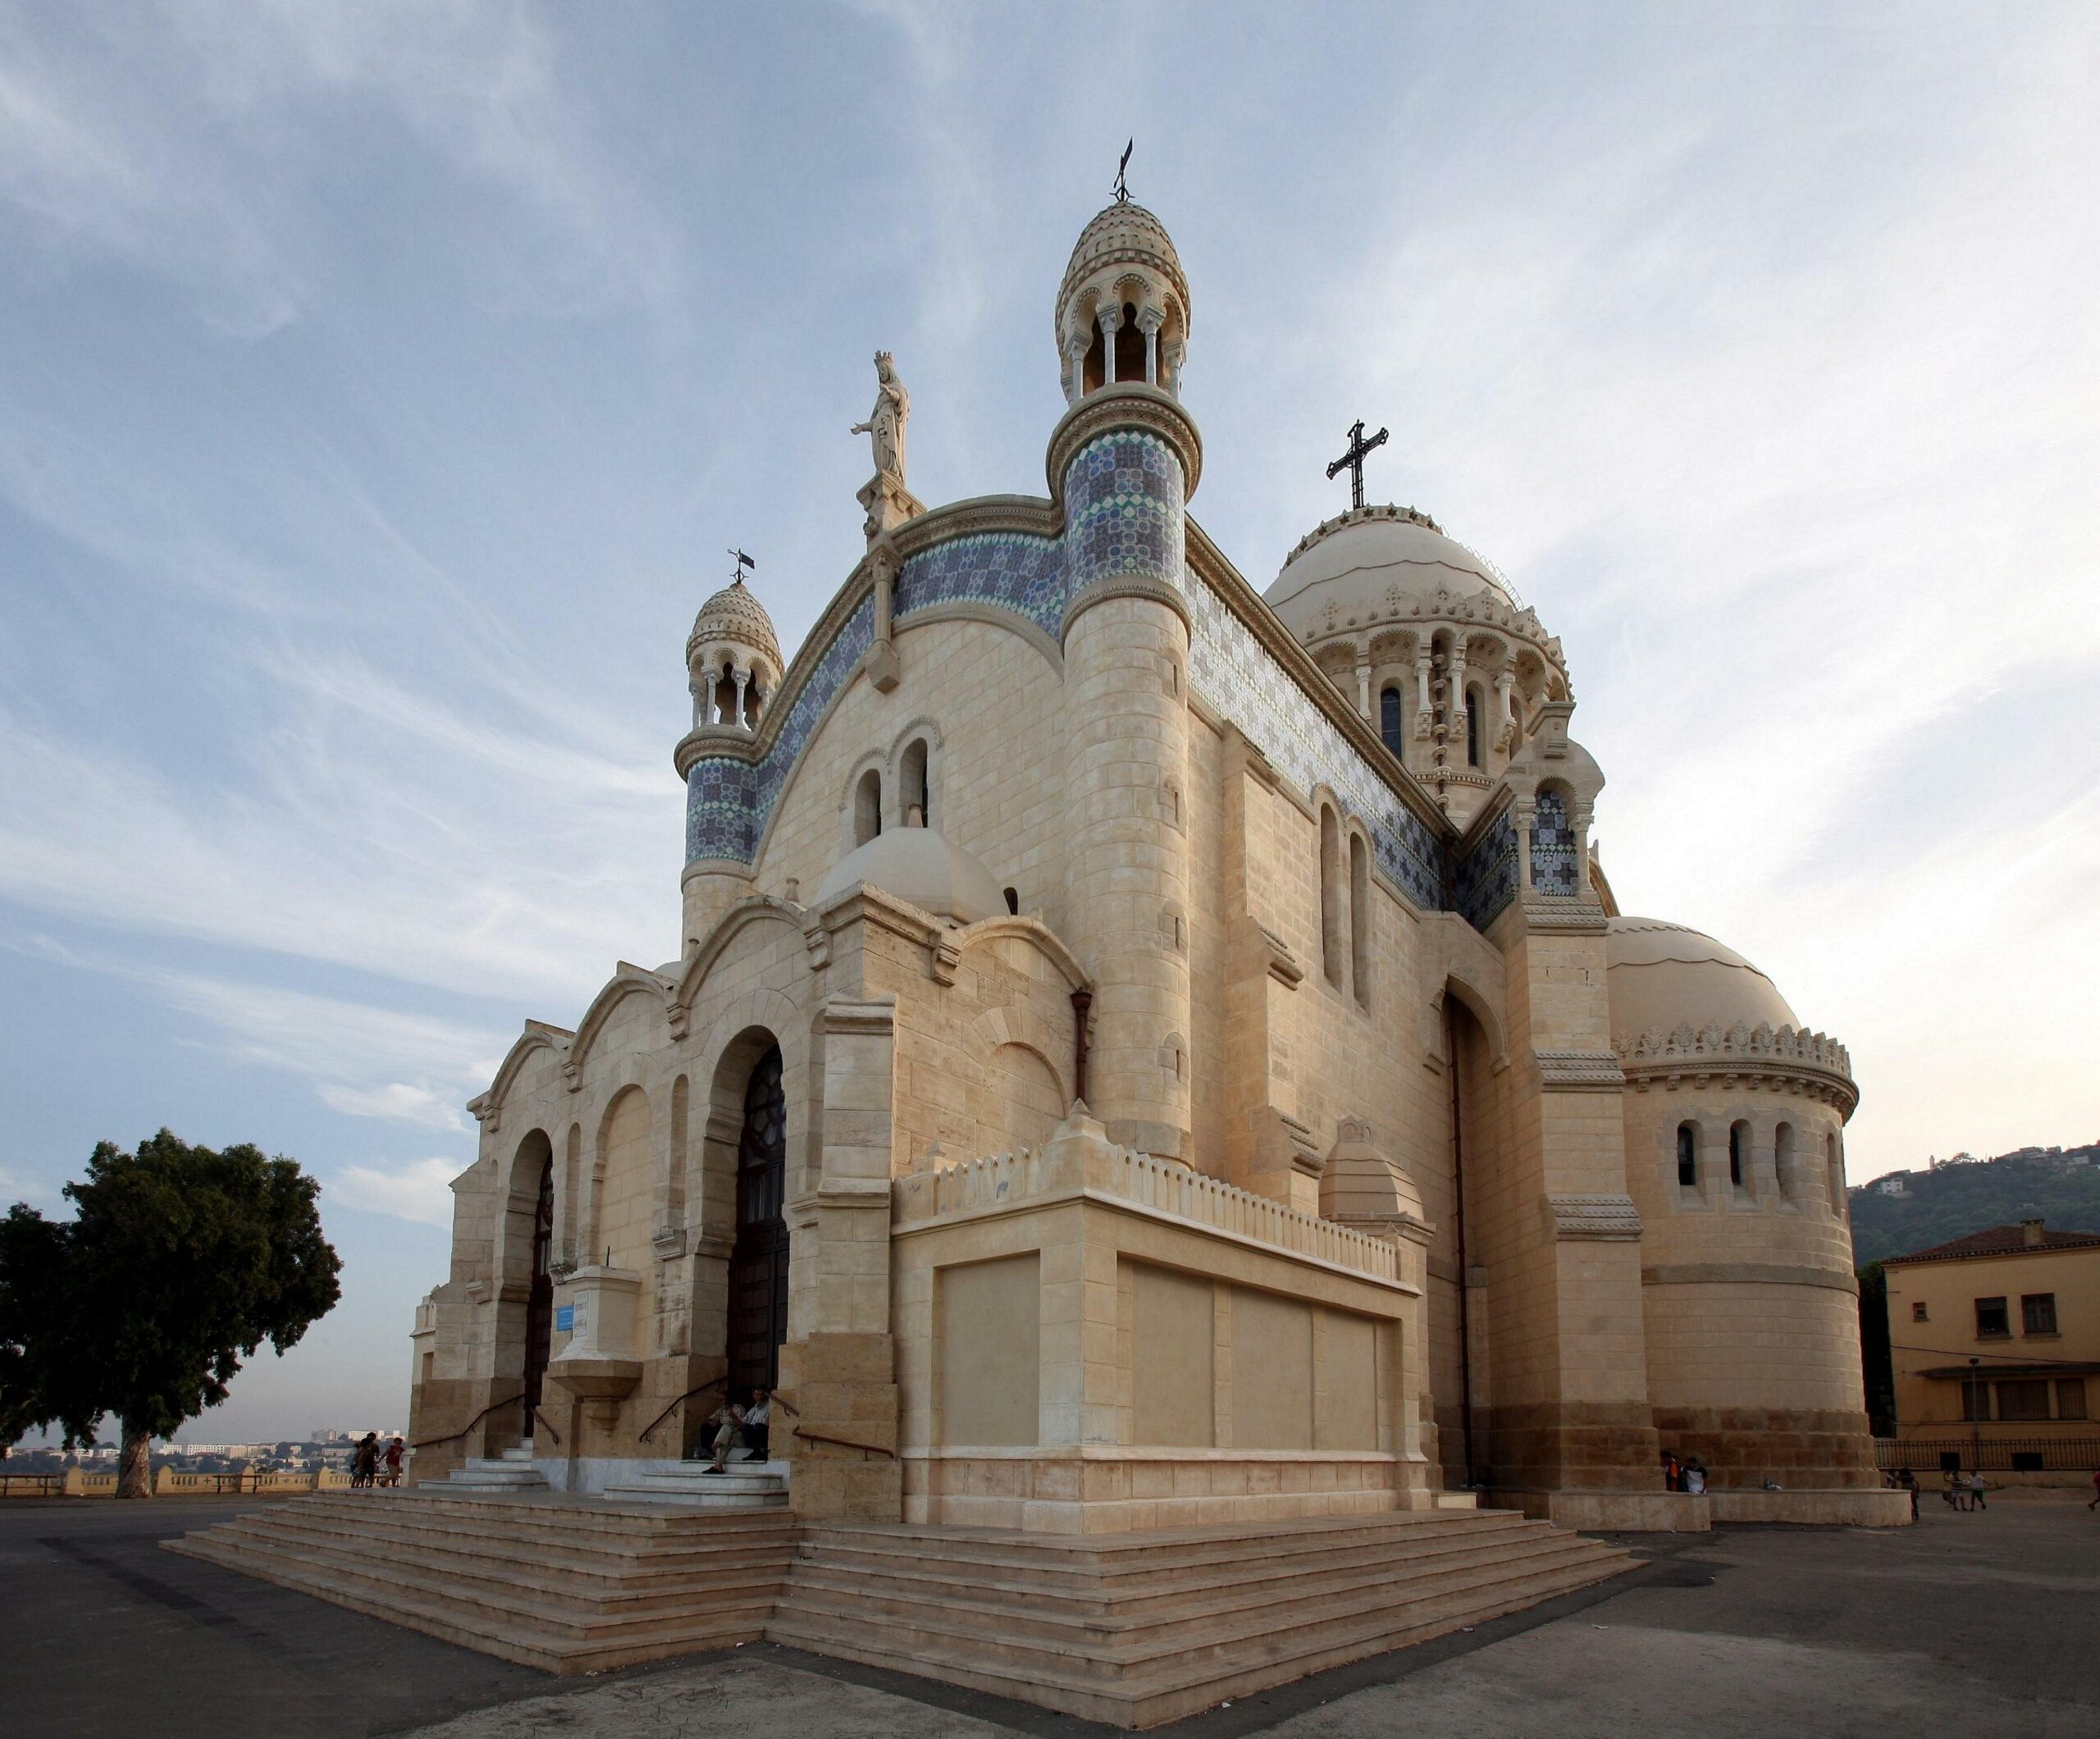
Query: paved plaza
(1977, 1623)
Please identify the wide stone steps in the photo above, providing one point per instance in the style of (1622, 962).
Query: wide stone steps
(566, 1589)
(1153, 1642)
(1131, 1629)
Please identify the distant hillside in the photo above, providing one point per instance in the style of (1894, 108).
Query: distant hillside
(1962, 1195)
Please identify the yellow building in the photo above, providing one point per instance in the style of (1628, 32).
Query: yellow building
(1995, 1342)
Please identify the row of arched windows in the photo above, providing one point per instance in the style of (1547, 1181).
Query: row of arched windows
(1392, 723)
(1344, 907)
(1788, 1150)
(915, 806)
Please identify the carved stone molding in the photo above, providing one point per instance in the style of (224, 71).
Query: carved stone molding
(1610, 1219)
(1812, 1064)
(1579, 1071)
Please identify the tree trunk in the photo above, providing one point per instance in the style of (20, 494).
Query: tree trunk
(134, 1465)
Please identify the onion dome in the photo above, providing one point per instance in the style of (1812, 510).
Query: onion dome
(1123, 314)
(734, 617)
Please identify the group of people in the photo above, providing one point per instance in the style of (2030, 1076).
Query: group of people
(749, 1424)
(371, 1465)
(1688, 1475)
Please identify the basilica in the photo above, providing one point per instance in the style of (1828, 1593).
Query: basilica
(1146, 1051)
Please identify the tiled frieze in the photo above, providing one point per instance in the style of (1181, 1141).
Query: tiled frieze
(1008, 570)
(1123, 506)
(1228, 668)
(1553, 847)
(1485, 879)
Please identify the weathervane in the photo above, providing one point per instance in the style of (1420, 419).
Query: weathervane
(1359, 450)
(1122, 187)
(743, 561)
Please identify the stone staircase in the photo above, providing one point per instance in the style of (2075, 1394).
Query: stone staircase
(512, 1470)
(1130, 1629)
(1134, 1630)
(545, 1581)
(750, 1485)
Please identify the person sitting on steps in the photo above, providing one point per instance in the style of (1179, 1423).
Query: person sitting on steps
(726, 1418)
(758, 1420)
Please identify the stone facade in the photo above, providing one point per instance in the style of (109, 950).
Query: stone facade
(1217, 1082)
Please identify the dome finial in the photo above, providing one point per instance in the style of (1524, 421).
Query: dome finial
(743, 561)
(1122, 186)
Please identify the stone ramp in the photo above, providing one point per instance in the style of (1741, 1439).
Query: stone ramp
(1130, 1629)
(1136, 1630)
(568, 1586)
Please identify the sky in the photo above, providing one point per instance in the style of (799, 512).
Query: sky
(380, 385)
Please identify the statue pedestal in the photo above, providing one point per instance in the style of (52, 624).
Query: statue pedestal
(887, 503)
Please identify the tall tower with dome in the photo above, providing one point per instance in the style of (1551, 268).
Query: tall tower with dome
(1140, 1050)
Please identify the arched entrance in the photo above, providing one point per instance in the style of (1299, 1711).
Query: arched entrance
(539, 1301)
(758, 1263)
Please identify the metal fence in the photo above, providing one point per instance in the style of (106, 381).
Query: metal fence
(1991, 1455)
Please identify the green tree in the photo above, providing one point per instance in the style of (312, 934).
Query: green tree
(179, 1262)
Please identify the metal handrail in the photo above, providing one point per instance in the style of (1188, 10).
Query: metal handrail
(542, 1418)
(425, 1443)
(713, 1382)
(844, 1443)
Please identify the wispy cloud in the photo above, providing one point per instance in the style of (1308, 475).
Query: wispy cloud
(420, 1190)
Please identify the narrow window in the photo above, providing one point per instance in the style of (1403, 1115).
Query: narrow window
(1918, 1312)
(1783, 1158)
(1359, 918)
(1992, 1323)
(1390, 714)
(2070, 1398)
(1473, 727)
(1738, 1153)
(2038, 1313)
(1331, 895)
(915, 796)
(867, 807)
(1833, 1161)
(2026, 1399)
(1013, 901)
(1687, 1156)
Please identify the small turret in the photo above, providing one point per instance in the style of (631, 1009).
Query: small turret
(732, 657)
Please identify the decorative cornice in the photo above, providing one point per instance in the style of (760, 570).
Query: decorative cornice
(1611, 1219)
(1811, 1063)
(1579, 1071)
(1748, 1274)
(1146, 409)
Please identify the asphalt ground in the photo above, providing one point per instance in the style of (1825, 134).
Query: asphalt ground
(1985, 1625)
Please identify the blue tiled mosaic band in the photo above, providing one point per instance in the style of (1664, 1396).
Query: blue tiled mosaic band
(1553, 847)
(1484, 879)
(1009, 570)
(1230, 669)
(1123, 511)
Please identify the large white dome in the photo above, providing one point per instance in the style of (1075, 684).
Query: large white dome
(1375, 564)
(1661, 976)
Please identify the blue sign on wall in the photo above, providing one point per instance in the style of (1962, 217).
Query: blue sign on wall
(565, 1318)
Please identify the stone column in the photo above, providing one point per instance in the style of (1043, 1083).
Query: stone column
(1110, 319)
(837, 1370)
(1424, 702)
(1126, 650)
(1363, 681)
(1506, 683)
(1149, 323)
(742, 677)
(1074, 367)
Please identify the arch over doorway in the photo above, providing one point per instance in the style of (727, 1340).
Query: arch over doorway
(758, 1259)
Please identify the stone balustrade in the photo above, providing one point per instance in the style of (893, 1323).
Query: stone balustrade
(1103, 1170)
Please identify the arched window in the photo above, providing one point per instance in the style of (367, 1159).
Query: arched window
(1782, 1159)
(1834, 1160)
(1390, 710)
(915, 794)
(1473, 727)
(1739, 1154)
(1130, 346)
(1331, 895)
(1359, 918)
(1013, 901)
(867, 807)
(1687, 1155)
